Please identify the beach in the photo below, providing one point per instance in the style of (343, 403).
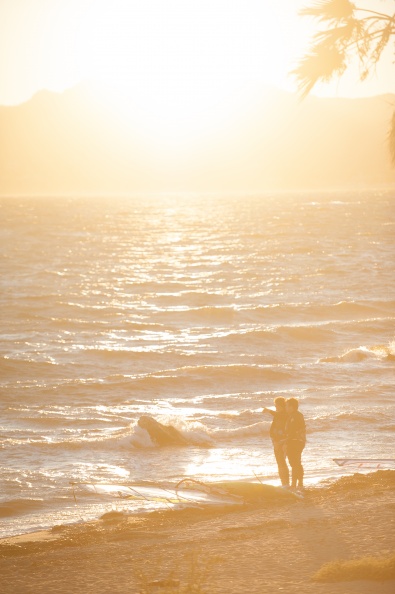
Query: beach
(257, 548)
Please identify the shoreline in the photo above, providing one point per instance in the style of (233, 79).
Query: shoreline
(311, 483)
(260, 548)
(318, 483)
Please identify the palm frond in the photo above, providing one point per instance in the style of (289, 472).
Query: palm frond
(321, 64)
(350, 33)
(383, 41)
(342, 34)
(370, 46)
(330, 10)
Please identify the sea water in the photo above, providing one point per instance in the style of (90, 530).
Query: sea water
(196, 310)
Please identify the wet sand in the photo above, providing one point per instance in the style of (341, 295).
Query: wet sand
(255, 549)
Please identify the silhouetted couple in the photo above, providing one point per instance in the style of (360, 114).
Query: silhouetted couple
(288, 434)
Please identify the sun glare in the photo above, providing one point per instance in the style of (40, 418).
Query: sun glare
(182, 68)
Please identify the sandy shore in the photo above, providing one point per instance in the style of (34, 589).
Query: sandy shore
(266, 548)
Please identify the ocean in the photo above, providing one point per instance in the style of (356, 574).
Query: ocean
(197, 310)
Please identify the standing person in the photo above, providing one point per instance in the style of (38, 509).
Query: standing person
(277, 434)
(295, 431)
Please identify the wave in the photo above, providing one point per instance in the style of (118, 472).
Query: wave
(276, 315)
(305, 312)
(67, 323)
(205, 316)
(194, 299)
(196, 433)
(64, 421)
(193, 432)
(129, 354)
(352, 309)
(243, 414)
(10, 366)
(322, 312)
(17, 507)
(133, 435)
(290, 336)
(363, 353)
(306, 332)
(182, 307)
(91, 440)
(296, 332)
(260, 428)
(95, 324)
(355, 416)
(330, 422)
(221, 377)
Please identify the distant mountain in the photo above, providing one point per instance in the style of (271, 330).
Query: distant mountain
(74, 142)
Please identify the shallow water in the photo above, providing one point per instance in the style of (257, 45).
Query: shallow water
(198, 311)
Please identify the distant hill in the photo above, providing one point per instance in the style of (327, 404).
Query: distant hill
(74, 143)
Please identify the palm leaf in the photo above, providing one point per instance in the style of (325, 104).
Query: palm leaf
(330, 10)
(321, 64)
(346, 37)
(383, 41)
(342, 34)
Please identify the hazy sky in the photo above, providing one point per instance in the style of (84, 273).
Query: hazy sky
(194, 49)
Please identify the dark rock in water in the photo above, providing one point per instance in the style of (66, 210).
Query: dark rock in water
(162, 435)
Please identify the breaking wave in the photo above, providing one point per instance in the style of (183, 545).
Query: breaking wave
(197, 434)
(363, 353)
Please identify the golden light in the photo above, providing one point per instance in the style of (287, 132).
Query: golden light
(167, 95)
(182, 68)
